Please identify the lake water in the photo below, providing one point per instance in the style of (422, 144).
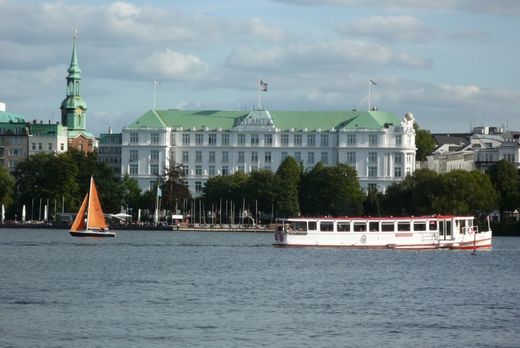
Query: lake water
(191, 289)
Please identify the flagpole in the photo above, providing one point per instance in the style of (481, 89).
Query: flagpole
(154, 93)
(369, 87)
(259, 94)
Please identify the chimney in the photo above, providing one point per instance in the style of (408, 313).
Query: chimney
(109, 130)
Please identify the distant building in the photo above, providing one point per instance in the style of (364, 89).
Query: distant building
(47, 138)
(13, 139)
(110, 151)
(379, 145)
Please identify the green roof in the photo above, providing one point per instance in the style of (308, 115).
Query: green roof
(283, 120)
(43, 129)
(10, 117)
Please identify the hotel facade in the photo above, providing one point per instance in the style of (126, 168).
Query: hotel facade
(379, 145)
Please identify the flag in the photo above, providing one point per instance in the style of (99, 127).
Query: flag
(159, 192)
(263, 86)
(373, 83)
(156, 82)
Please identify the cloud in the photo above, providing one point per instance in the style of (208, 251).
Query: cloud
(172, 65)
(322, 56)
(391, 28)
(499, 7)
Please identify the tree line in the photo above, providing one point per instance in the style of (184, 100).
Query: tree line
(60, 182)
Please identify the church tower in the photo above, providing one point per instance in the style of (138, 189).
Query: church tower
(73, 108)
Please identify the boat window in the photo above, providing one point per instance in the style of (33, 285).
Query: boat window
(433, 225)
(343, 226)
(448, 228)
(403, 226)
(299, 226)
(326, 226)
(360, 226)
(462, 224)
(373, 226)
(419, 226)
(470, 222)
(387, 226)
(312, 226)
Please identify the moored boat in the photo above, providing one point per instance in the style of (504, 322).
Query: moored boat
(94, 225)
(421, 232)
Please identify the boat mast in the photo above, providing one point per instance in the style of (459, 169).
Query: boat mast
(89, 200)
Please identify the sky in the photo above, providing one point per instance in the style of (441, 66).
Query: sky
(452, 63)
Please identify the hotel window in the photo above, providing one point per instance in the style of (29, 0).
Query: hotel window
(225, 170)
(351, 139)
(225, 157)
(154, 155)
(267, 157)
(409, 158)
(398, 158)
(49, 146)
(134, 155)
(372, 187)
(212, 139)
(241, 169)
(298, 156)
(310, 158)
(186, 170)
(154, 169)
(225, 139)
(186, 139)
(325, 157)
(398, 140)
(199, 139)
(311, 140)
(324, 140)
(198, 156)
(284, 155)
(372, 157)
(211, 157)
(34, 146)
(198, 186)
(240, 157)
(268, 139)
(254, 156)
(198, 170)
(40, 146)
(154, 137)
(133, 169)
(211, 171)
(62, 147)
(255, 139)
(373, 140)
(351, 158)
(185, 156)
(285, 139)
(241, 139)
(372, 171)
(172, 139)
(297, 140)
(398, 172)
(134, 138)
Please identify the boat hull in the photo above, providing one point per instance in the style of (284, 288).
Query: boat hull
(92, 234)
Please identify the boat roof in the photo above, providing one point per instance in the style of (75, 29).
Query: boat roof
(376, 218)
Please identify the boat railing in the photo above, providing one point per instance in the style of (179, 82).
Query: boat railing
(470, 230)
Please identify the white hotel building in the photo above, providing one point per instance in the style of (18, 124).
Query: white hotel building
(379, 145)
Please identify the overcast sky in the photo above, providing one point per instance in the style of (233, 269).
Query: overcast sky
(452, 63)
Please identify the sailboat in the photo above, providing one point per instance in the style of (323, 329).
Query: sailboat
(95, 224)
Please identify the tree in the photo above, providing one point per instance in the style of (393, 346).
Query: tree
(6, 187)
(424, 142)
(174, 188)
(289, 173)
(372, 205)
(506, 180)
(262, 187)
(130, 192)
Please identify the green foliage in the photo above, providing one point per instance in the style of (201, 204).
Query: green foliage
(262, 187)
(130, 192)
(424, 142)
(6, 187)
(174, 189)
(506, 181)
(289, 174)
(229, 187)
(331, 191)
(372, 203)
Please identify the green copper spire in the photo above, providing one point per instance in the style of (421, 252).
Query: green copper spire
(73, 108)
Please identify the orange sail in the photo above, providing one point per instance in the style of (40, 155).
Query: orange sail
(79, 221)
(95, 217)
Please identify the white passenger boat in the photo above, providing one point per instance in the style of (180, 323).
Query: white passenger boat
(417, 232)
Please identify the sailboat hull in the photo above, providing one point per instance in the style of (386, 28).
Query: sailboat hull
(92, 234)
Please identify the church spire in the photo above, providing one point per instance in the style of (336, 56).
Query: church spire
(73, 108)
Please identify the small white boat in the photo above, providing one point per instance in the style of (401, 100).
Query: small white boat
(421, 232)
(94, 225)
